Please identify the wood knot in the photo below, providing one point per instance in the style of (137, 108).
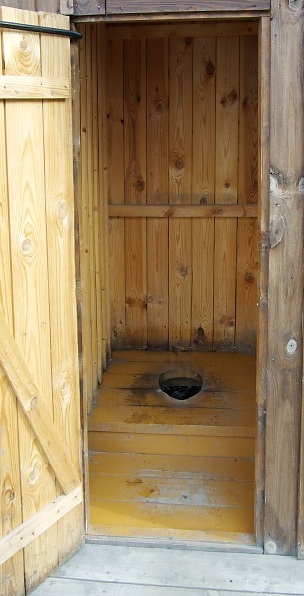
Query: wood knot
(183, 270)
(140, 184)
(159, 106)
(227, 184)
(188, 41)
(210, 69)
(203, 200)
(179, 164)
(62, 210)
(249, 278)
(23, 45)
(26, 245)
(229, 98)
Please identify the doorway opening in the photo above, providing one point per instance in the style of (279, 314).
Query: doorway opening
(170, 168)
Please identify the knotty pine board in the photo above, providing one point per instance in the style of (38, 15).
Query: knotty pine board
(173, 138)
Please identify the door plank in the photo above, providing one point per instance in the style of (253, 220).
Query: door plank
(36, 413)
(55, 61)
(12, 572)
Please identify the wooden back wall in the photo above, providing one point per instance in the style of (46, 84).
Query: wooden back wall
(182, 120)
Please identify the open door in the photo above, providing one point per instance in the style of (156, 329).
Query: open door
(40, 438)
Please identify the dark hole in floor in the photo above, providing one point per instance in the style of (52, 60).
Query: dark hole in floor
(181, 384)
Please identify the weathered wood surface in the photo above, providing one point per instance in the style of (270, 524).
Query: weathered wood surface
(100, 7)
(285, 295)
(165, 572)
(131, 6)
(261, 385)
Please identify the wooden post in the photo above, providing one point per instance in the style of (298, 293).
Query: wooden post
(285, 278)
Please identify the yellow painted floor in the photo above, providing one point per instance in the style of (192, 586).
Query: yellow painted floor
(160, 467)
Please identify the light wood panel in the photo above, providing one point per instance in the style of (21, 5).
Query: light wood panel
(11, 572)
(38, 311)
(190, 282)
(55, 61)
(25, 152)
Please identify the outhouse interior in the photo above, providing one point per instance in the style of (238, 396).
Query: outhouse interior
(169, 257)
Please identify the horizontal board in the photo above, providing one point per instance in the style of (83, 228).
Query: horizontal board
(168, 211)
(171, 31)
(154, 515)
(30, 87)
(88, 7)
(198, 421)
(115, 398)
(134, 7)
(172, 444)
(229, 373)
(186, 492)
(227, 469)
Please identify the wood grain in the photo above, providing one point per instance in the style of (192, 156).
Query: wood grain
(180, 174)
(55, 61)
(12, 572)
(86, 356)
(25, 167)
(247, 240)
(118, 7)
(227, 104)
(262, 335)
(284, 372)
(157, 191)
(168, 31)
(193, 211)
(204, 60)
(135, 190)
(115, 126)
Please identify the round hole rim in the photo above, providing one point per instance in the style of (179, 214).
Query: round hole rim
(167, 378)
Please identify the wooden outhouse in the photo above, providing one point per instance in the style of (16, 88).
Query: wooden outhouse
(151, 278)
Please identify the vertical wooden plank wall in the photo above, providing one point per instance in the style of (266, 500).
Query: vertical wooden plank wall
(285, 340)
(37, 292)
(94, 241)
(182, 130)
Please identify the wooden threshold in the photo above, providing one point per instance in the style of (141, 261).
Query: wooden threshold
(164, 468)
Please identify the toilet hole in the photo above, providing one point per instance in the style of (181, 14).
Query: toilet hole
(181, 384)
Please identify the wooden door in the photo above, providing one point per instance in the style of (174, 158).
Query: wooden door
(40, 436)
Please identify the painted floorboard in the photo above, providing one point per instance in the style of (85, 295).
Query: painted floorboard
(181, 571)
